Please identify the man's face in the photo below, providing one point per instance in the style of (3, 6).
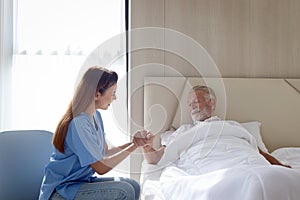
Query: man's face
(200, 110)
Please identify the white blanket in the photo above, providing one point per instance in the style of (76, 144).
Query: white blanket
(220, 160)
(247, 183)
(210, 146)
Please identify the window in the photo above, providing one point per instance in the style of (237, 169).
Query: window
(53, 41)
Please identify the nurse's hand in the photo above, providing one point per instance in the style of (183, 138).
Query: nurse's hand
(142, 138)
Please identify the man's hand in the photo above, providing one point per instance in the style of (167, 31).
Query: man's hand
(143, 138)
(272, 159)
(288, 166)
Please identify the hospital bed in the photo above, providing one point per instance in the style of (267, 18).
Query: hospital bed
(269, 111)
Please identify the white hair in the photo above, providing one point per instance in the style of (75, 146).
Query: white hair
(209, 92)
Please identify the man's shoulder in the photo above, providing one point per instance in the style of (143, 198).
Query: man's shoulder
(184, 127)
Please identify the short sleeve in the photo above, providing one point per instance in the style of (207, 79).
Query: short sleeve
(98, 117)
(87, 143)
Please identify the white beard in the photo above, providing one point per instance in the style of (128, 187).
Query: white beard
(198, 115)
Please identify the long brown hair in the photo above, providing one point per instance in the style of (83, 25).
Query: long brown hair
(94, 79)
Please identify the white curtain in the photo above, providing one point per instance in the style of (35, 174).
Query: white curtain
(6, 49)
(51, 44)
(42, 89)
(53, 38)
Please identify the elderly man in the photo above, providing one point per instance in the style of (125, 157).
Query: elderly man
(201, 103)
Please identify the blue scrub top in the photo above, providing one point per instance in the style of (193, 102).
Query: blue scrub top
(83, 146)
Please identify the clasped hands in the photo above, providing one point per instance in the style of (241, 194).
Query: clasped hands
(143, 138)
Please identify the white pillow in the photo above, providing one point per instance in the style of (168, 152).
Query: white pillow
(289, 156)
(254, 128)
(292, 153)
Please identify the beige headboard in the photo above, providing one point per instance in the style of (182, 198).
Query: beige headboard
(273, 102)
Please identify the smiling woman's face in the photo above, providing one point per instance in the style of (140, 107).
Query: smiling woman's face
(104, 100)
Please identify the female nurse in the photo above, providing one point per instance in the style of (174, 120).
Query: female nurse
(81, 150)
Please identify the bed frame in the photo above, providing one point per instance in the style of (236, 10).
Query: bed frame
(273, 102)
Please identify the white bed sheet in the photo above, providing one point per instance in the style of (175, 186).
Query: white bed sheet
(258, 182)
(236, 176)
(150, 179)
